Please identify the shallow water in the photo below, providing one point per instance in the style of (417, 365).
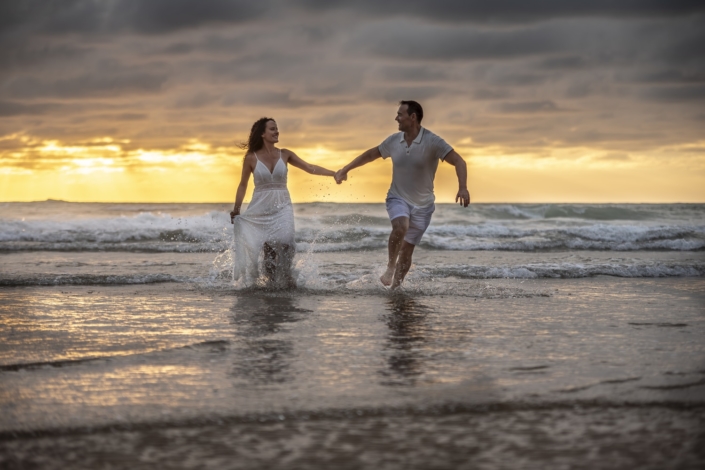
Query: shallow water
(562, 358)
(123, 354)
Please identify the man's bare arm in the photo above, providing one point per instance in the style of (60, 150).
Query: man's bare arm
(367, 157)
(461, 170)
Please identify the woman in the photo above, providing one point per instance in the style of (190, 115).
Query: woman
(266, 228)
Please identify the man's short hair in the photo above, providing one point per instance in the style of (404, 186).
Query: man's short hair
(413, 108)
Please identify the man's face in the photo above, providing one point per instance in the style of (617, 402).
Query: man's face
(403, 118)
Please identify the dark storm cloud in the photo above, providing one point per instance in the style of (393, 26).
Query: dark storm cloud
(486, 68)
(438, 43)
(16, 53)
(672, 75)
(686, 45)
(563, 63)
(151, 17)
(683, 93)
(405, 73)
(519, 79)
(509, 10)
(13, 108)
(98, 83)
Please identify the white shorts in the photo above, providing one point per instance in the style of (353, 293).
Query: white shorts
(419, 217)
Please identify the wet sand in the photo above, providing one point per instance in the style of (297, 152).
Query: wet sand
(587, 373)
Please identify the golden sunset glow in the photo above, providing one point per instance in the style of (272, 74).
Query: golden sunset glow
(102, 170)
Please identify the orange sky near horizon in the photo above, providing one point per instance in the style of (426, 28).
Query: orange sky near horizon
(104, 172)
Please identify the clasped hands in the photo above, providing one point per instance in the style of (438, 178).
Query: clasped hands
(340, 176)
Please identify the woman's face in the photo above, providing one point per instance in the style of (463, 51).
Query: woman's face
(271, 133)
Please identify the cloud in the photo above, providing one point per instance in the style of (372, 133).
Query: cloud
(147, 17)
(267, 99)
(491, 94)
(436, 43)
(614, 157)
(103, 83)
(333, 119)
(130, 116)
(394, 94)
(159, 72)
(412, 73)
(676, 94)
(563, 63)
(509, 10)
(13, 108)
(671, 75)
(529, 107)
(196, 100)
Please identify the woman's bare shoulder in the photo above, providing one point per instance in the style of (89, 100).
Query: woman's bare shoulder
(286, 153)
(250, 159)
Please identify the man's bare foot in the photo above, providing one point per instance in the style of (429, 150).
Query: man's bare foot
(386, 278)
(396, 283)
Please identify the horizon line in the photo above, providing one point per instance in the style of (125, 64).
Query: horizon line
(336, 202)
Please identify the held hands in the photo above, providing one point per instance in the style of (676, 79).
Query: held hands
(340, 176)
(463, 197)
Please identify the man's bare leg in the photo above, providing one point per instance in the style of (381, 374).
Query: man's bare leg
(403, 263)
(399, 227)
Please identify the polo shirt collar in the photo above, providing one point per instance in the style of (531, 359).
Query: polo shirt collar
(418, 138)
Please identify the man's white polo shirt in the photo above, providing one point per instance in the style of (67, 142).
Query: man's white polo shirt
(414, 166)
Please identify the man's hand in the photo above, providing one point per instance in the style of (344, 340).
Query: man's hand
(340, 176)
(463, 197)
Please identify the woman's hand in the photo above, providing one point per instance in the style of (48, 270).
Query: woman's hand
(233, 213)
(340, 176)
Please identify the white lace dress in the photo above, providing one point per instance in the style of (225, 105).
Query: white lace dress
(269, 219)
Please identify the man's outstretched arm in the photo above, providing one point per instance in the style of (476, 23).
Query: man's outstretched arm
(461, 169)
(367, 157)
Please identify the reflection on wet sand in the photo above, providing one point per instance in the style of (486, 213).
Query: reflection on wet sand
(408, 328)
(263, 356)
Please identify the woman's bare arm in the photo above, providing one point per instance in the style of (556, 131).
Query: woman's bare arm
(242, 187)
(299, 163)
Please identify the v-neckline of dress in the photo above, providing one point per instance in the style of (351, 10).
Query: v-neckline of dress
(271, 172)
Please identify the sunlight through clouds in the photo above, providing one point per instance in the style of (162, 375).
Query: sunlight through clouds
(570, 94)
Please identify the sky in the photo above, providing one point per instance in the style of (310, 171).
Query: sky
(546, 100)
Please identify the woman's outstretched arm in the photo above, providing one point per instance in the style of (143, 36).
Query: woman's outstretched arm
(242, 187)
(296, 161)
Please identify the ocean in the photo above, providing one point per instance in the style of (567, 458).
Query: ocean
(525, 336)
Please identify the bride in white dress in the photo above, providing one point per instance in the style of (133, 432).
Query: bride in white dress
(264, 233)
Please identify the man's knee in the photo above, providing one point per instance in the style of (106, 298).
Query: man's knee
(400, 225)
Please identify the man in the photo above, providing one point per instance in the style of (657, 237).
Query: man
(415, 152)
